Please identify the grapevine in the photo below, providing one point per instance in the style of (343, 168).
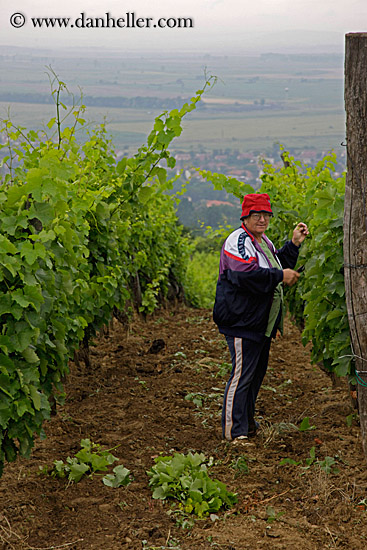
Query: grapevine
(76, 229)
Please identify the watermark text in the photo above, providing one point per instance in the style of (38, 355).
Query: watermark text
(129, 20)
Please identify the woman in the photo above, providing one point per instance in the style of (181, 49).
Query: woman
(248, 307)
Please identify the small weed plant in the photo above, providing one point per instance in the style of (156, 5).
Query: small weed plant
(90, 459)
(240, 465)
(185, 478)
(305, 425)
(196, 397)
(224, 369)
(272, 515)
(199, 398)
(350, 419)
(328, 464)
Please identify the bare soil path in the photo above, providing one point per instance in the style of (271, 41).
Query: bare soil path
(133, 395)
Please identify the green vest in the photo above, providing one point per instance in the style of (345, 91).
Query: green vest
(278, 302)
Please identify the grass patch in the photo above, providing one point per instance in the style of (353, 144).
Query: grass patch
(201, 279)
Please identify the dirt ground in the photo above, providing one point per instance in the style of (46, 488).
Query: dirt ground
(133, 396)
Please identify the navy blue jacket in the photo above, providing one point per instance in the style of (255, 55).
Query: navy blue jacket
(246, 283)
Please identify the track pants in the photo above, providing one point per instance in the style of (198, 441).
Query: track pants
(249, 365)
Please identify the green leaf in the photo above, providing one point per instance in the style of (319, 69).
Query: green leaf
(6, 345)
(99, 463)
(158, 125)
(11, 223)
(23, 339)
(7, 246)
(34, 296)
(26, 442)
(5, 303)
(119, 478)
(342, 366)
(201, 508)
(51, 122)
(305, 425)
(30, 355)
(10, 450)
(59, 469)
(6, 362)
(290, 461)
(22, 407)
(121, 166)
(6, 411)
(334, 314)
(36, 397)
(77, 471)
(145, 193)
(45, 212)
(160, 492)
(102, 212)
(28, 252)
(17, 192)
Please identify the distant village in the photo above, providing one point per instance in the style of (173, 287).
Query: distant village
(202, 205)
(247, 166)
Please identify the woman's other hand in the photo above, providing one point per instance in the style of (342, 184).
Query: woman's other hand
(300, 232)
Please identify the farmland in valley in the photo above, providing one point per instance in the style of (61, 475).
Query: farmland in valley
(293, 99)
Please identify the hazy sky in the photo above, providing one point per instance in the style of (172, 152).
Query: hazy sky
(219, 25)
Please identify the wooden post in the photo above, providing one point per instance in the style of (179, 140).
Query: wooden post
(355, 211)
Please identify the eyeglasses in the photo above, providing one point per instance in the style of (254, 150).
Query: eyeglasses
(257, 215)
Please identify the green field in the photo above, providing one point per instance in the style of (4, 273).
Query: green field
(295, 100)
